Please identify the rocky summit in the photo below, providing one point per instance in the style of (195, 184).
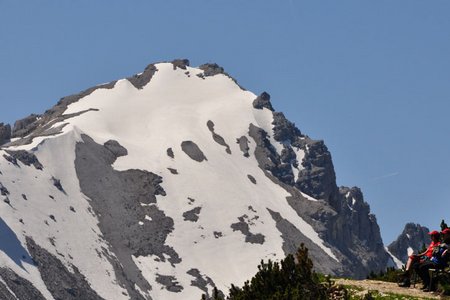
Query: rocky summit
(413, 239)
(166, 185)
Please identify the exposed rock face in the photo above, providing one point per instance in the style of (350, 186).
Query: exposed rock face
(22, 288)
(22, 127)
(25, 157)
(262, 101)
(141, 80)
(62, 283)
(413, 236)
(284, 130)
(5, 133)
(318, 179)
(343, 218)
(212, 69)
(180, 63)
(116, 199)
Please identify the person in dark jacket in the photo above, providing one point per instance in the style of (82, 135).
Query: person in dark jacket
(439, 260)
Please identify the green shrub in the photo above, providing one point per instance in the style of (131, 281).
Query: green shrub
(290, 279)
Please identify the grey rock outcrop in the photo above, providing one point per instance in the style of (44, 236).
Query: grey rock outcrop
(141, 80)
(5, 133)
(263, 101)
(243, 145)
(212, 70)
(24, 126)
(341, 216)
(180, 63)
(193, 151)
(413, 236)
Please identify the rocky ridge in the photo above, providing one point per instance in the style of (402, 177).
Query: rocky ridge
(413, 238)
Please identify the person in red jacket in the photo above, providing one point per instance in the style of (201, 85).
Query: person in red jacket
(415, 259)
(439, 260)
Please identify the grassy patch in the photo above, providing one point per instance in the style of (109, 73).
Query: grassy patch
(358, 293)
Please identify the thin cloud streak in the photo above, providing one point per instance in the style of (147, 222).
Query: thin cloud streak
(385, 176)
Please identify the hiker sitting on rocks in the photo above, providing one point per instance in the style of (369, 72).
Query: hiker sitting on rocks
(415, 259)
(439, 260)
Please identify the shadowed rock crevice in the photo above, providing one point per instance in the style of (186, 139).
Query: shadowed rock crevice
(61, 283)
(116, 198)
(217, 138)
(22, 288)
(193, 151)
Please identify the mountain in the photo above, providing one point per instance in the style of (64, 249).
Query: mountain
(412, 239)
(165, 185)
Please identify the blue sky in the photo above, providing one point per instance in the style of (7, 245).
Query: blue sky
(371, 78)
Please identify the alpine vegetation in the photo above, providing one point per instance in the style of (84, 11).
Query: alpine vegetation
(170, 184)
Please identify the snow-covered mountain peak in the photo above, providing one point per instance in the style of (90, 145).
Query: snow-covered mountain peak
(165, 185)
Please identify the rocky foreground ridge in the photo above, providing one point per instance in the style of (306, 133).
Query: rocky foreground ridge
(166, 185)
